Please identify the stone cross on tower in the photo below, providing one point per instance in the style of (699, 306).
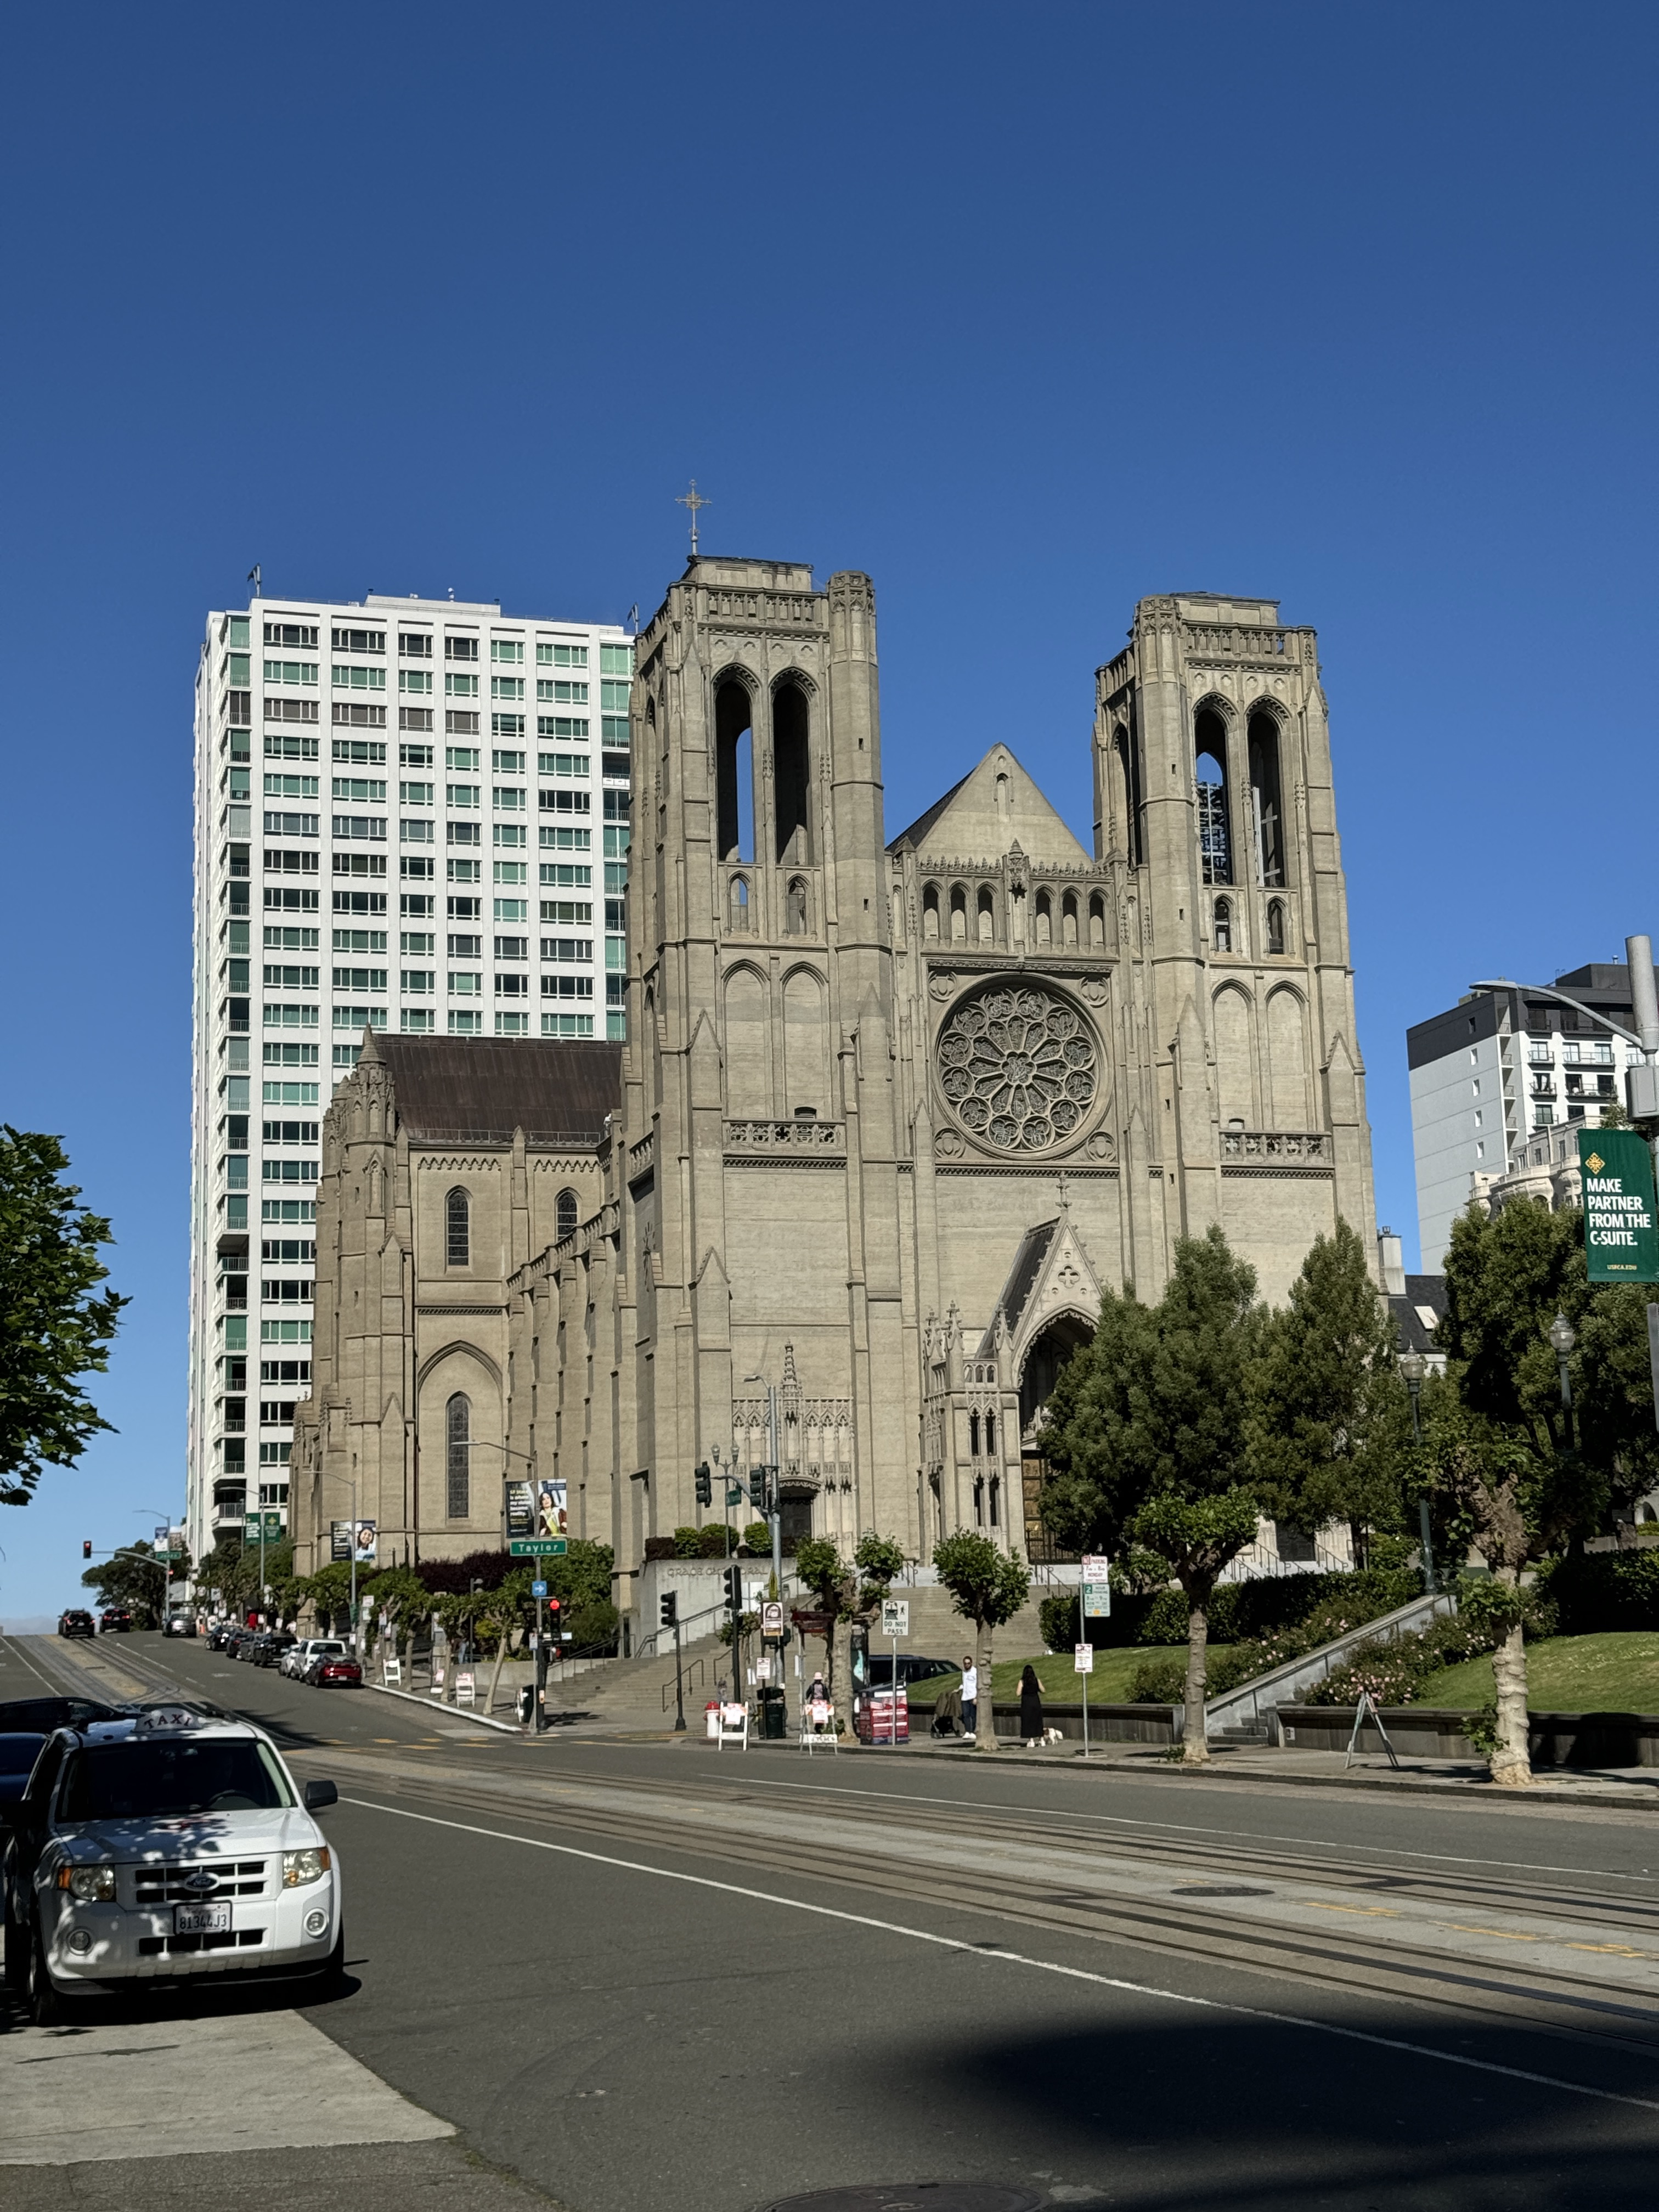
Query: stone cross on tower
(694, 499)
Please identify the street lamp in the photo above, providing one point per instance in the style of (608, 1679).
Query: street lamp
(1563, 1337)
(164, 1536)
(1413, 1366)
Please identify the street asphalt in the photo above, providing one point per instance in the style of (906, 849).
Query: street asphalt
(639, 1975)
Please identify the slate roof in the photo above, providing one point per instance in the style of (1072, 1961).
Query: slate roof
(918, 830)
(482, 1087)
(1022, 1281)
(1423, 1293)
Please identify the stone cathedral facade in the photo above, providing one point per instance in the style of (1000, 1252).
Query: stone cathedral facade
(889, 1114)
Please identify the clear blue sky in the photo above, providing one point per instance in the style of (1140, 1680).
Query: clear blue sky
(1027, 311)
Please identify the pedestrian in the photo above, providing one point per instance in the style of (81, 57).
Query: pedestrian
(1030, 1708)
(818, 1694)
(969, 1699)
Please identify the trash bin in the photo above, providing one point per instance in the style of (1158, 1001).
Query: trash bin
(773, 1716)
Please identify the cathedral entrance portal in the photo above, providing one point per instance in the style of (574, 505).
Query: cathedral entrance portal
(1065, 1335)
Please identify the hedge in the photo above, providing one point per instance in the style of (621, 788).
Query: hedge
(1600, 1592)
(1240, 1612)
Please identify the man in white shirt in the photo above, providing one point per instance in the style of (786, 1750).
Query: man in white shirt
(969, 1699)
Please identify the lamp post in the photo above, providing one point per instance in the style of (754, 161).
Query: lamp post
(164, 1537)
(1413, 1366)
(1563, 1337)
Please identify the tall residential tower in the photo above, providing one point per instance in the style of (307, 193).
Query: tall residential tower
(444, 853)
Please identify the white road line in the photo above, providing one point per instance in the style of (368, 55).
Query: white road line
(1018, 1958)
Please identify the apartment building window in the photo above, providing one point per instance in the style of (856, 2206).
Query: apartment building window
(363, 828)
(507, 764)
(566, 987)
(298, 674)
(415, 718)
(359, 1018)
(461, 687)
(465, 1024)
(349, 714)
(289, 1055)
(364, 790)
(290, 710)
(417, 832)
(294, 637)
(359, 641)
(367, 752)
(571, 951)
(506, 652)
(291, 787)
(564, 764)
(565, 802)
(290, 825)
(415, 756)
(558, 692)
(282, 747)
(358, 940)
(507, 687)
(460, 724)
(350, 677)
(566, 1025)
(562, 726)
(417, 1021)
(512, 872)
(414, 645)
(509, 834)
(460, 648)
(616, 659)
(558, 655)
(282, 1015)
(359, 901)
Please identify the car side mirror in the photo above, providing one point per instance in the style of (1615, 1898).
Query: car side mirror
(319, 1794)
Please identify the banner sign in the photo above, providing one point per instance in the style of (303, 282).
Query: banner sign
(549, 1508)
(364, 1547)
(339, 1539)
(520, 1507)
(1621, 1236)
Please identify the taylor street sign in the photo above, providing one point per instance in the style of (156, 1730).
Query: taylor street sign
(538, 1547)
(1621, 1237)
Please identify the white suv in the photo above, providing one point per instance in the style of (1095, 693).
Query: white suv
(162, 1847)
(299, 1657)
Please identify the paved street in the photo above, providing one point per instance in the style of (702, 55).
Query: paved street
(643, 1974)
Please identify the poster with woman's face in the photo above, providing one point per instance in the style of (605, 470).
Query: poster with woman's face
(550, 1507)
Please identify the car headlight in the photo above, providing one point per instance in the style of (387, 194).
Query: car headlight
(92, 1885)
(301, 1867)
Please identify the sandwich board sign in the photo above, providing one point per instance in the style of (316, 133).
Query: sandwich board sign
(1621, 1237)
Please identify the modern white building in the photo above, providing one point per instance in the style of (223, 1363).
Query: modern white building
(1508, 1060)
(445, 851)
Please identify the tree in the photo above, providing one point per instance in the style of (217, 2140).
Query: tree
(835, 1593)
(52, 1329)
(509, 1609)
(989, 1586)
(136, 1578)
(1502, 1451)
(402, 1601)
(1148, 1434)
(1331, 1420)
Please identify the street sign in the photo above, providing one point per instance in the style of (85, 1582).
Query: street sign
(1097, 1587)
(1621, 1238)
(772, 1618)
(896, 1616)
(1083, 1658)
(538, 1547)
(538, 1590)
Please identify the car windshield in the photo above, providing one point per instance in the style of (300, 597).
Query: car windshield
(151, 1780)
(19, 1753)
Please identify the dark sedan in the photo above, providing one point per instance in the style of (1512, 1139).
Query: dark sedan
(28, 1715)
(75, 1622)
(269, 1648)
(912, 1668)
(114, 1620)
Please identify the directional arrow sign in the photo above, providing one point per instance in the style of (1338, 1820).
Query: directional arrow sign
(538, 1547)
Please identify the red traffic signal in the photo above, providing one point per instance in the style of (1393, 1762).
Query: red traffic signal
(552, 1604)
(86, 1548)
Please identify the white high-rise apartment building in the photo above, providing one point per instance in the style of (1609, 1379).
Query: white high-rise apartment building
(443, 851)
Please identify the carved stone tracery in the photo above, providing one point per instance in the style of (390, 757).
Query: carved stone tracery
(1019, 1068)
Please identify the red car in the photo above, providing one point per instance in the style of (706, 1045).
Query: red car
(329, 1671)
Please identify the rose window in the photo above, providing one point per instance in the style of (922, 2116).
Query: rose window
(1019, 1068)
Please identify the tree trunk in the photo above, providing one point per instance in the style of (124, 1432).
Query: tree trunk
(1194, 1744)
(1511, 1763)
(502, 1643)
(839, 1645)
(986, 1728)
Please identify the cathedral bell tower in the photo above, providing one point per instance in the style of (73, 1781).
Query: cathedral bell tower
(757, 1173)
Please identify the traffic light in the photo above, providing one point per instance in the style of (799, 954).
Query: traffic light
(669, 1604)
(705, 1485)
(86, 1548)
(733, 1580)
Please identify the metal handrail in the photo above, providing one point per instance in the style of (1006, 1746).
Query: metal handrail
(687, 1681)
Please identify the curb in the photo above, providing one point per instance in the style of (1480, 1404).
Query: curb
(408, 1698)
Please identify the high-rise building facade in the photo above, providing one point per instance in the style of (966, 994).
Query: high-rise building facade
(1509, 1061)
(444, 853)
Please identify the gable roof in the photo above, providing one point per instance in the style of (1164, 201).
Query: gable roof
(968, 823)
(482, 1087)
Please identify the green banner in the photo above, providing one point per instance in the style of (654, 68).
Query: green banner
(1621, 1237)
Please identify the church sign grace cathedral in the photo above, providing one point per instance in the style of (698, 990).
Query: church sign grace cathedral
(888, 1114)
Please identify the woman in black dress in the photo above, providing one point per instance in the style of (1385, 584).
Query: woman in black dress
(1030, 1708)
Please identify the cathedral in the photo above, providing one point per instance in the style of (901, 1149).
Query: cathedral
(889, 1114)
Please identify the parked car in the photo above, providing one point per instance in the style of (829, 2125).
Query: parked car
(299, 1654)
(334, 1670)
(42, 1714)
(237, 1642)
(75, 1622)
(912, 1668)
(165, 1843)
(220, 1634)
(114, 1620)
(271, 1646)
(19, 1749)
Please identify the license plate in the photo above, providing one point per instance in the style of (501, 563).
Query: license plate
(201, 1919)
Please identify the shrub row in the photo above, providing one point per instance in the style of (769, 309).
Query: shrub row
(1261, 1611)
(1600, 1592)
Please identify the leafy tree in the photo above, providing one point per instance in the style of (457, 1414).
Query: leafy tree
(1502, 1457)
(1148, 1434)
(135, 1578)
(835, 1591)
(330, 1591)
(508, 1612)
(52, 1329)
(402, 1601)
(989, 1586)
(879, 1561)
(1331, 1420)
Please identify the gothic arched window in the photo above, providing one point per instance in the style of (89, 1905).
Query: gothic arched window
(1210, 776)
(1265, 804)
(987, 920)
(1045, 919)
(458, 1473)
(1068, 919)
(1224, 926)
(795, 908)
(1098, 921)
(734, 766)
(1275, 926)
(930, 912)
(457, 1230)
(959, 916)
(566, 1212)
(792, 776)
(739, 903)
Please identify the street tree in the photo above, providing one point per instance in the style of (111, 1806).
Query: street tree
(53, 1328)
(1502, 1449)
(508, 1612)
(1148, 1435)
(835, 1589)
(1330, 1425)
(989, 1586)
(135, 1578)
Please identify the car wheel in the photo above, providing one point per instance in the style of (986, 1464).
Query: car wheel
(45, 2006)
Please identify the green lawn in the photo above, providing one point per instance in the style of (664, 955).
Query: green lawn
(1612, 1674)
(1109, 1685)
